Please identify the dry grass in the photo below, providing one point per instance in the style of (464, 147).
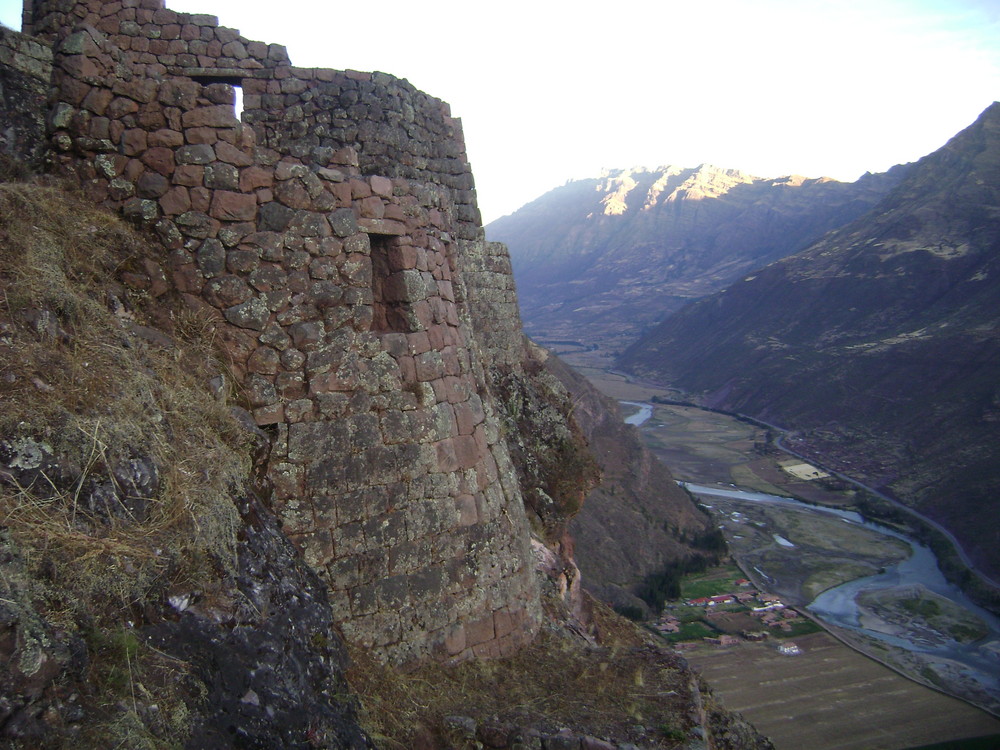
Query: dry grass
(558, 681)
(97, 395)
(75, 377)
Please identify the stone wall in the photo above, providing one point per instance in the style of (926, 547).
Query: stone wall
(492, 301)
(337, 296)
(25, 70)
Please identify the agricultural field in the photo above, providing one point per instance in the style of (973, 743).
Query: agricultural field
(832, 698)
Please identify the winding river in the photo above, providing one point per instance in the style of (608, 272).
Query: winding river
(644, 413)
(978, 661)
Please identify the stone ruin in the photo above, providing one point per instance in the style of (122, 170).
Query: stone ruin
(331, 234)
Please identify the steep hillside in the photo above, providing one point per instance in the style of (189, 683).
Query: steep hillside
(637, 520)
(149, 596)
(879, 343)
(602, 260)
(580, 467)
(251, 381)
(143, 575)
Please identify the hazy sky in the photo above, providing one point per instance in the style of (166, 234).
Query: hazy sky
(551, 90)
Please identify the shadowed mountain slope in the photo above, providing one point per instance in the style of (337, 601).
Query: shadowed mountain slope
(879, 343)
(602, 260)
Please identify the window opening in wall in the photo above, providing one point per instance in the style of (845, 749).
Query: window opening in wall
(389, 314)
(236, 83)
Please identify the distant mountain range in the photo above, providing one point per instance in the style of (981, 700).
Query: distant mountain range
(879, 342)
(603, 260)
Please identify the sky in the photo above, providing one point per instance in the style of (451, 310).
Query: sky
(552, 90)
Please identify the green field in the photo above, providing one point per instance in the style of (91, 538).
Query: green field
(691, 631)
(713, 582)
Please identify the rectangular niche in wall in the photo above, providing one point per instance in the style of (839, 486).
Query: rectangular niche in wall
(390, 308)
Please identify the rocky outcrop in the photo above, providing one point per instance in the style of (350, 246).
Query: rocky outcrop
(599, 261)
(637, 520)
(877, 344)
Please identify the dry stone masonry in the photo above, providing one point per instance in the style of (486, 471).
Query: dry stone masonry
(25, 70)
(332, 235)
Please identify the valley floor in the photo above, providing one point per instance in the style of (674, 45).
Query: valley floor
(830, 696)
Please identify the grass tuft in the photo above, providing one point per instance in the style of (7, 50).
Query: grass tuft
(558, 681)
(82, 376)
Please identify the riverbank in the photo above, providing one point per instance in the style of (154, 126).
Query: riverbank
(704, 445)
(874, 591)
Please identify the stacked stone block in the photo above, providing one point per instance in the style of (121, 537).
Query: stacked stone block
(492, 302)
(25, 71)
(338, 299)
(161, 41)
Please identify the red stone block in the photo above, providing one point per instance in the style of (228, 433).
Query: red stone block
(371, 207)
(230, 154)
(402, 257)
(134, 141)
(418, 342)
(503, 622)
(167, 138)
(80, 66)
(175, 201)
(158, 279)
(381, 186)
(465, 418)
(359, 188)
(97, 100)
(201, 199)
(329, 382)
(479, 435)
(446, 458)
(217, 116)
(467, 452)
(454, 640)
(199, 136)
(383, 226)
(159, 160)
(255, 177)
(487, 473)
(395, 212)
(480, 631)
(187, 279)
(467, 511)
(407, 369)
(423, 313)
(189, 175)
(341, 191)
(133, 170)
(292, 193)
(265, 361)
(436, 336)
(230, 206)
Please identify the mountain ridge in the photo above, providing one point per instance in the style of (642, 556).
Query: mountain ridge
(603, 259)
(879, 343)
